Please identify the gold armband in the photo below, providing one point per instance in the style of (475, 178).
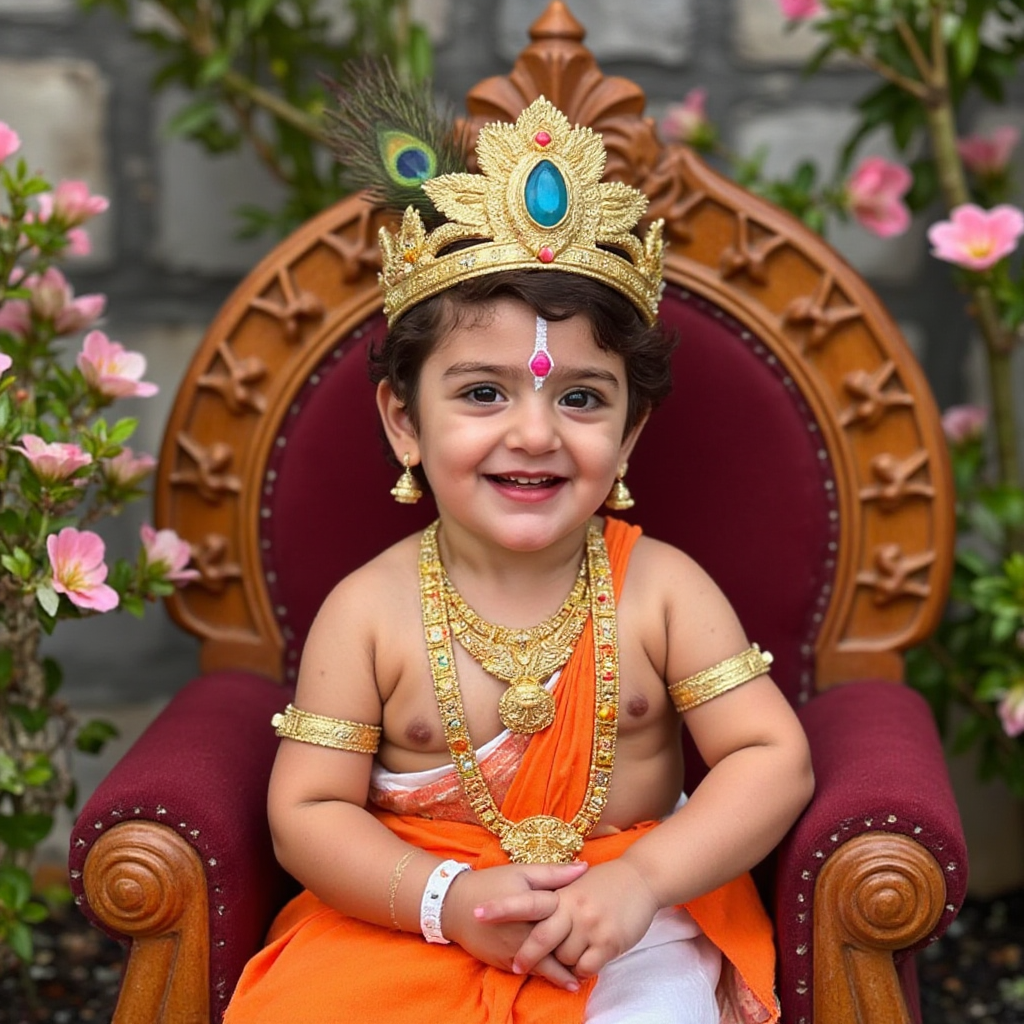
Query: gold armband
(326, 732)
(711, 682)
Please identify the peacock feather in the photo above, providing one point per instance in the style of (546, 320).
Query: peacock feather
(390, 137)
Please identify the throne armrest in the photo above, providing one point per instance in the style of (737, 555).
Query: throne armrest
(877, 864)
(173, 853)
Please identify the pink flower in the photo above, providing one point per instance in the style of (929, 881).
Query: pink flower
(16, 318)
(687, 121)
(76, 558)
(800, 10)
(975, 238)
(168, 554)
(53, 299)
(1011, 710)
(111, 370)
(5, 362)
(963, 423)
(875, 191)
(127, 469)
(988, 157)
(54, 461)
(79, 243)
(9, 141)
(71, 204)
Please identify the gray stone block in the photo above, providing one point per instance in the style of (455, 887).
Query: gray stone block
(790, 136)
(35, 8)
(58, 107)
(761, 36)
(198, 196)
(655, 31)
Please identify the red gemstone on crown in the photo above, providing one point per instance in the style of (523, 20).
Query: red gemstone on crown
(540, 365)
(542, 139)
(546, 254)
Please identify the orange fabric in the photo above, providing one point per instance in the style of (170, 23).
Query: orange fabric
(322, 966)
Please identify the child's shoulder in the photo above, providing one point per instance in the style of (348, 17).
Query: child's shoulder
(655, 562)
(375, 584)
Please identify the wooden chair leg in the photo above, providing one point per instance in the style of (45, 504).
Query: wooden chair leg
(146, 882)
(877, 893)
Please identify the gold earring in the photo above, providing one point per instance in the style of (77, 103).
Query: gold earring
(407, 490)
(620, 499)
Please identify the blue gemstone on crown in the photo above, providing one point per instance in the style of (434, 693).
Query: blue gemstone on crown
(547, 198)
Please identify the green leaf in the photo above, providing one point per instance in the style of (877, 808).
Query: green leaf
(33, 720)
(54, 676)
(94, 735)
(15, 887)
(6, 667)
(193, 117)
(34, 913)
(256, 11)
(19, 938)
(24, 831)
(215, 68)
(123, 429)
(421, 54)
(48, 598)
(992, 684)
(39, 772)
(966, 43)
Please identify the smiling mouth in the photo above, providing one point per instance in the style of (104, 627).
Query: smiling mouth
(532, 483)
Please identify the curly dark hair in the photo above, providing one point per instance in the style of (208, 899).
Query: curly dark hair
(553, 295)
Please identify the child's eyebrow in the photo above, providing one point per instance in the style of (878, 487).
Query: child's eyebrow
(576, 373)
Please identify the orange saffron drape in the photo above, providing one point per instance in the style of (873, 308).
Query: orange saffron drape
(320, 965)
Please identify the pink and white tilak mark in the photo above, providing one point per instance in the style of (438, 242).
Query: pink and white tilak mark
(540, 363)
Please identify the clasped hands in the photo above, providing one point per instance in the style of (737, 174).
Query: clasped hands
(563, 922)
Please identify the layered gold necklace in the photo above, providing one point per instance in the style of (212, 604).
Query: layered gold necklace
(541, 838)
(523, 658)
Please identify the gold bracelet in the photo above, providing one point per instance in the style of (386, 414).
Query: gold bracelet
(711, 682)
(396, 878)
(327, 732)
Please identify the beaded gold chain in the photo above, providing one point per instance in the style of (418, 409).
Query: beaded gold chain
(524, 658)
(541, 838)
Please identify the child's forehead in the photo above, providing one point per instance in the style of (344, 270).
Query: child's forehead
(507, 318)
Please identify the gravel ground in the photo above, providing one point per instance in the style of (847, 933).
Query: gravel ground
(973, 975)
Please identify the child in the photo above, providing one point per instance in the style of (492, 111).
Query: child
(519, 849)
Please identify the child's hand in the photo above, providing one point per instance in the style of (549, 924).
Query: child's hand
(528, 893)
(599, 916)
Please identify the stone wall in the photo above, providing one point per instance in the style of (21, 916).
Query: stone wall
(76, 88)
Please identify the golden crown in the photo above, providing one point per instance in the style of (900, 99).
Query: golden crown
(538, 203)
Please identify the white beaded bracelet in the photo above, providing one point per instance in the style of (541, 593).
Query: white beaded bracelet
(432, 903)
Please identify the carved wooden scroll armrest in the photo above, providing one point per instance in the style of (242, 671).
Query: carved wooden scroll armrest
(878, 893)
(147, 883)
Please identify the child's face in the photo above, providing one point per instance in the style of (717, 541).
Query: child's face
(510, 463)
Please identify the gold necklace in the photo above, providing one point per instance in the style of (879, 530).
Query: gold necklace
(541, 838)
(524, 658)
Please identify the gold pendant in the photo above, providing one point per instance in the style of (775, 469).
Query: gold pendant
(541, 839)
(526, 707)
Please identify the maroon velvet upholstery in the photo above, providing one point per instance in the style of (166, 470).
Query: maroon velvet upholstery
(878, 765)
(202, 768)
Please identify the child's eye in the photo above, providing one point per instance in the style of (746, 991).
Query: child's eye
(484, 394)
(581, 398)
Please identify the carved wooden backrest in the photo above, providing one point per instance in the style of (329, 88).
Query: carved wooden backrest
(306, 313)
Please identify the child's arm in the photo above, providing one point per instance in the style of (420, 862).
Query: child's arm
(759, 780)
(332, 845)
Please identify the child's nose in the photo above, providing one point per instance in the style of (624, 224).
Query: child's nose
(533, 428)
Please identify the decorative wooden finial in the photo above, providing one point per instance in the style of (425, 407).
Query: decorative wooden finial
(557, 22)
